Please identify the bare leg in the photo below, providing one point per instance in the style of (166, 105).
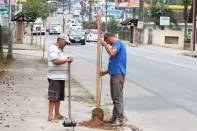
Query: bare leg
(57, 110)
(51, 110)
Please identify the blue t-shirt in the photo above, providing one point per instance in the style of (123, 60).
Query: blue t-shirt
(117, 63)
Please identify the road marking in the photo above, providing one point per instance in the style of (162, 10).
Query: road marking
(166, 62)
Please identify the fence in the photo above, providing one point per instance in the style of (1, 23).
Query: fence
(5, 35)
(125, 34)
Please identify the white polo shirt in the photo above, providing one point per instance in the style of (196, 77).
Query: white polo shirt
(56, 72)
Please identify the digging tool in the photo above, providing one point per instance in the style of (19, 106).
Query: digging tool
(98, 113)
(69, 122)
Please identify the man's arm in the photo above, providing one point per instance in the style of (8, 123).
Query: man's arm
(60, 62)
(110, 51)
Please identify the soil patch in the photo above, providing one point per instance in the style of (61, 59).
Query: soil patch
(96, 123)
(98, 113)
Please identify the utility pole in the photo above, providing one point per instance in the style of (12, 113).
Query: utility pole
(1, 44)
(141, 18)
(32, 26)
(194, 27)
(63, 16)
(90, 11)
(9, 55)
(69, 6)
(105, 15)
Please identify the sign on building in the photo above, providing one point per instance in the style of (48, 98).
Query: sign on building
(4, 10)
(140, 25)
(127, 3)
(164, 20)
(20, 7)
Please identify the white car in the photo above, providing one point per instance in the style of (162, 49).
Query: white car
(92, 36)
(38, 28)
(60, 11)
(54, 28)
(74, 27)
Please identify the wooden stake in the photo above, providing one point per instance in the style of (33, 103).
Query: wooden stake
(98, 78)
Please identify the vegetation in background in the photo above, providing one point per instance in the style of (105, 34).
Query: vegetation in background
(186, 3)
(36, 8)
(112, 25)
(155, 12)
(170, 2)
(52, 7)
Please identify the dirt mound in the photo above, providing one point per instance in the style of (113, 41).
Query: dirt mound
(98, 113)
(96, 123)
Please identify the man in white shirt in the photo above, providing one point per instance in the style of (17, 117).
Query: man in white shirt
(57, 74)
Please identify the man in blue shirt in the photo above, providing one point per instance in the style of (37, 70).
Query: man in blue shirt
(117, 71)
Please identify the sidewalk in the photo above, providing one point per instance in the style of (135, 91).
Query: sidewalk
(24, 104)
(24, 46)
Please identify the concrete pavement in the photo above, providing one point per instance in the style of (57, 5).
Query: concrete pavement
(23, 91)
(24, 98)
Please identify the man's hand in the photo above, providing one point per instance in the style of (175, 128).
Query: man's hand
(103, 43)
(69, 59)
(63, 61)
(103, 72)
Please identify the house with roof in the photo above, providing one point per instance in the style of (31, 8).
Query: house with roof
(172, 37)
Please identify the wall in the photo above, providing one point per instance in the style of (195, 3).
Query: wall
(160, 37)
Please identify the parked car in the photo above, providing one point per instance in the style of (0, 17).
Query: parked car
(60, 11)
(92, 36)
(76, 36)
(75, 27)
(39, 27)
(54, 28)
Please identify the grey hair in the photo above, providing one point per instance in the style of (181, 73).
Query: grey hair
(108, 34)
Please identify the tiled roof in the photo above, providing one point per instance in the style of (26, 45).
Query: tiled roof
(23, 17)
(129, 21)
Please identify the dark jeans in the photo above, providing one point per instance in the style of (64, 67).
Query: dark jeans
(116, 86)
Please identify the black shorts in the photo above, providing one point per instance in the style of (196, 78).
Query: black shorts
(56, 90)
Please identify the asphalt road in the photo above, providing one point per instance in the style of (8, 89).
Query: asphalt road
(160, 89)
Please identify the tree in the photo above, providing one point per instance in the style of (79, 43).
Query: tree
(52, 7)
(36, 8)
(112, 25)
(186, 3)
(155, 12)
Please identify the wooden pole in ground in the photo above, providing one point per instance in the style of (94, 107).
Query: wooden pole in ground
(98, 78)
(40, 37)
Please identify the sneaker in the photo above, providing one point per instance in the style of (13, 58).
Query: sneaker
(111, 120)
(118, 123)
(125, 119)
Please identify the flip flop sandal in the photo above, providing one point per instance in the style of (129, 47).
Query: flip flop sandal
(59, 117)
(53, 120)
